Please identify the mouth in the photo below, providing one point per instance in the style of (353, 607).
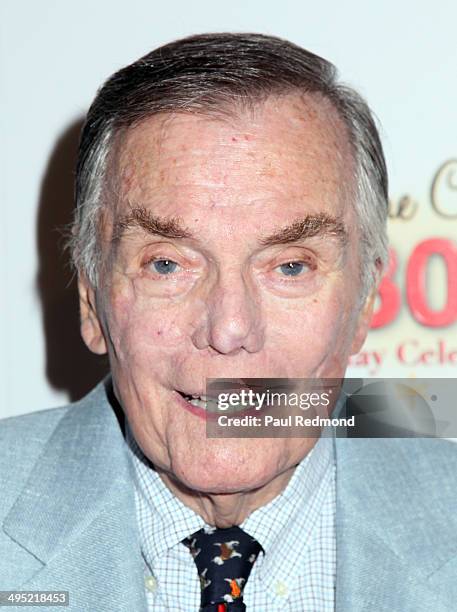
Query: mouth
(206, 406)
(200, 405)
(201, 401)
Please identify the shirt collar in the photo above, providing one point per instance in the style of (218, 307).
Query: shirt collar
(285, 525)
(168, 520)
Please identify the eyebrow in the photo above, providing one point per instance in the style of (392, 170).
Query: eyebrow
(142, 218)
(312, 225)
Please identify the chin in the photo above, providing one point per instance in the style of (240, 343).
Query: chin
(225, 477)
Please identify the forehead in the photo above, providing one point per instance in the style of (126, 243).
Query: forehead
(287, 150)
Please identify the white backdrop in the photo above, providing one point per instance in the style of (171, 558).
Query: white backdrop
(54, 54)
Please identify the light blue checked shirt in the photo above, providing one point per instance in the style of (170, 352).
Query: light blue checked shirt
(296, 530)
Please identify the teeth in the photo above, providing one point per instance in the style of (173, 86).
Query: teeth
(196, 401)
(193, 396)
(202, 401)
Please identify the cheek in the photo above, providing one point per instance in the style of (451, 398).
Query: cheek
(312, 334)
(141, 327)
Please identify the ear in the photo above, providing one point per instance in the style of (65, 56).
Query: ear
(91, 329)
(366, 313)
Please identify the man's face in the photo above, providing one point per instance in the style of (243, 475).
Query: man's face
(201, 279)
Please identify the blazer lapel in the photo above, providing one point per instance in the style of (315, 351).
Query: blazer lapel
(76, 515)
(391, 536)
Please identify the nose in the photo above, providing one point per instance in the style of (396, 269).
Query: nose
(232, 319)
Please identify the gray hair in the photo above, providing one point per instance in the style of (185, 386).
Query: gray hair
(208, 73)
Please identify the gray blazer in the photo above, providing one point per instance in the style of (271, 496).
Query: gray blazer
(68, 522)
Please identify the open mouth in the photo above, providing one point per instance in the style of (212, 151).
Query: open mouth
(199, 401)
(209, 404)
(199, 405)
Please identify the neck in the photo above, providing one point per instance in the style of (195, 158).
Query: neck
(227, 509)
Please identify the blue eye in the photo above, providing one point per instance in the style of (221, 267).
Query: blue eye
(292, 268)
(164, 266)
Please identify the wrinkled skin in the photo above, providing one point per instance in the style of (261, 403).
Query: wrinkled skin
(227, 309)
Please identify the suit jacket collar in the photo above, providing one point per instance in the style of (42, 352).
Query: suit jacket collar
(76, 517)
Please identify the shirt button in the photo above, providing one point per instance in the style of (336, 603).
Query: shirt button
(151, 583)
(281, 589)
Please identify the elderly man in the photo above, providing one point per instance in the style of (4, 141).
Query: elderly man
(230, 222)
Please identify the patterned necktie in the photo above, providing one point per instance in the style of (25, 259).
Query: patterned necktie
(224, 559)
